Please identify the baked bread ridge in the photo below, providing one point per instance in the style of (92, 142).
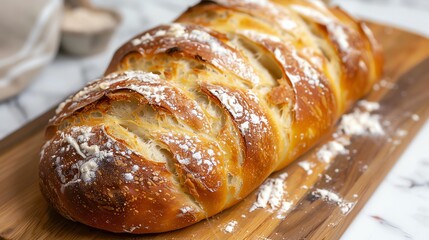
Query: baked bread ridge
(191, 117)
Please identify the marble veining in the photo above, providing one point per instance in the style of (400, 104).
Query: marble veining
(391, 227)
(399, 209)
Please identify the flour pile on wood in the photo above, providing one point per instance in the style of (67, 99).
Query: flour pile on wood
(332, 197)
(271, 196)
(229, 228)
(359, 122)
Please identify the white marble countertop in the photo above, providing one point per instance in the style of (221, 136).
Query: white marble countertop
(399, 209)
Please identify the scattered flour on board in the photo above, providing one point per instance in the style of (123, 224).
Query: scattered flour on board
(415, 117)
(271, 196)
(283, 210)
(401, 133)
(332, 197)
(359, 122)
(333, 148)
(229, 228)
(306, 165)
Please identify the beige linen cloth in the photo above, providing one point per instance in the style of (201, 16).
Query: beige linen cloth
(29, 38)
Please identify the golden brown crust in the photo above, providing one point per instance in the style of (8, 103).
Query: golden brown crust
(154, 91)
(203, 177)
(190, 41)
(97, 180)
(255, 131)
(313, 101)
(352, 49)
(191, 117)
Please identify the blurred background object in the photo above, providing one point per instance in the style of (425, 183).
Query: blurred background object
(31, 32)
(86, 29)
(29, 36)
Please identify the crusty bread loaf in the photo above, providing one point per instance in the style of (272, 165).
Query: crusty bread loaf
(193, 116)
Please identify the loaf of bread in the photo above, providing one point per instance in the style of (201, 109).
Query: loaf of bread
(191, 117)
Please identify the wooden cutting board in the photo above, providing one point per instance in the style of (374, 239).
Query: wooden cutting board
(24, 214)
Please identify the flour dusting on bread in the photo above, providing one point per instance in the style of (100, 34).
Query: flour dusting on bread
(191, 117)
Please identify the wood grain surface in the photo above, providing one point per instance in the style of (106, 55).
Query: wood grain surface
(24, 214)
